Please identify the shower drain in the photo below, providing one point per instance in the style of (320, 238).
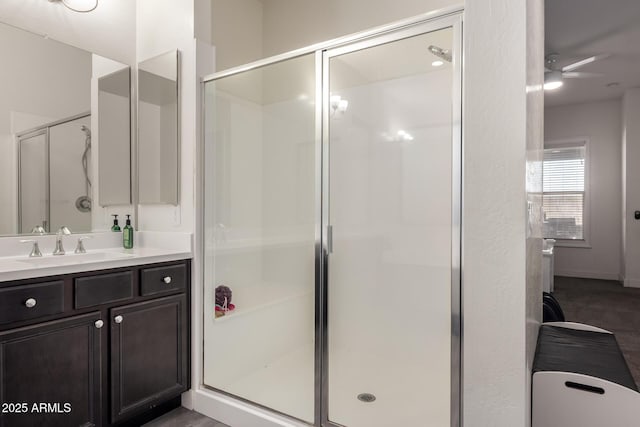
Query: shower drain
(366, 397)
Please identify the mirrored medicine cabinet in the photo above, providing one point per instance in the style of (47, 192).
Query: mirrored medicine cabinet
(158, 130)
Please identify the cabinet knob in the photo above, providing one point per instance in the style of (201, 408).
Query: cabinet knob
(167, 279)
(30, 303)
(118, 319)
(99, 324)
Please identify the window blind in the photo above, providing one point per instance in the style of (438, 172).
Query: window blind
(564, 192)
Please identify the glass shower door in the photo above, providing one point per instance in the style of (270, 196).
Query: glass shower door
(260, 220)
(392, 167)
(33, 191)
(67, 179)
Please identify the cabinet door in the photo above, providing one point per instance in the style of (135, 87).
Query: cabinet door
(54, 368)
(149, 355)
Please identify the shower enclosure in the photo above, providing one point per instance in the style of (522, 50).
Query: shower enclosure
(54, 184)
(332, 221)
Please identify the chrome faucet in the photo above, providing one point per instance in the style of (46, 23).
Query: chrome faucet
(35, 249)
(80, 246)
(59, 248)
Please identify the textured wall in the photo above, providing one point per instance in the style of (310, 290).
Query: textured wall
(499, 127)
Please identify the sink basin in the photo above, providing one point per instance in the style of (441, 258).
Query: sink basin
(71, 259)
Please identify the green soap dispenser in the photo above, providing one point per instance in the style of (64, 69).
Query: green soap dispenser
(127, 234)
(115, 226)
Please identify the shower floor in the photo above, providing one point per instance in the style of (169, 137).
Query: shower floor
(294, 376)
(399, 400)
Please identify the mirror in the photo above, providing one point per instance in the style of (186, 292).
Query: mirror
(114, 107)
(50, 112)
(158, 142)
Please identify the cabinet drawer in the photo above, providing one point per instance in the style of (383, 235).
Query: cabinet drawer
(31, 301)
(157, 280)
(103, 289)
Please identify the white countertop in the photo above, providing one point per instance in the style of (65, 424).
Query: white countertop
(101, 254)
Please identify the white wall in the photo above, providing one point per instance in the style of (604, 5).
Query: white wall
(62, 91)
(600, 123)
(108, 31)
(237, 31)
(500, 310)
(248, 30)
(630, 270)
(291, 24)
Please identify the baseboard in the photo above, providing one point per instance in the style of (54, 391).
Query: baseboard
(237, 413)
(587, 274)
(630, 283)
(187, 399)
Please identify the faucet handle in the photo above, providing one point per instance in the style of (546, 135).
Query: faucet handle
(38, 229)
(64, 230)
(80, 247)
(35, 249)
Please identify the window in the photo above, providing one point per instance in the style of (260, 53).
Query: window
(564, 191)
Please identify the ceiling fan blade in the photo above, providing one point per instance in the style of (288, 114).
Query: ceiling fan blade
(585, 61)
(579, 75)
(547, 70)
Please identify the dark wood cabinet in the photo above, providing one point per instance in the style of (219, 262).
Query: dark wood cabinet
(58, 364)
(67, 355)
(148, 355)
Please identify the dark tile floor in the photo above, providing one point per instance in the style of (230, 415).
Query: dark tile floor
(182, 417)
(608, 305)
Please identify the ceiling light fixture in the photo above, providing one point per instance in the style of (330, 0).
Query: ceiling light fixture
(553, 80)
(403, 136)
(400, 136)
(80, 6)
(437, 63)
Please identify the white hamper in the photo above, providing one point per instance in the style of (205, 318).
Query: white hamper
(580, 379)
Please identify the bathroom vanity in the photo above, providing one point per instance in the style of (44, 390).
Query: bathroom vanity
(95, 348)
(97, 336)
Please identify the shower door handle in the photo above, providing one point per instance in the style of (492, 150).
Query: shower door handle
(329, 239)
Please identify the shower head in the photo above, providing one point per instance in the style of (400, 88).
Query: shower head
(440, 53)
(86, 130)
